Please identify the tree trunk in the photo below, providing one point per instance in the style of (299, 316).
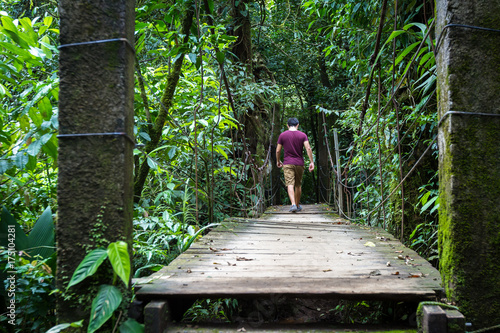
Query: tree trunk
(243, 46)
(276, 185)
(469, 160)
(256, 128)
(95, 170)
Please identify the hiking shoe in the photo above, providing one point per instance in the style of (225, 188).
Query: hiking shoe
(299, 208)
(293, 209)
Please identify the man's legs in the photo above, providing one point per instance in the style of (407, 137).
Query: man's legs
(297, 194)
(290, 181)
(291, 194)
(293, 180)
(299, 172)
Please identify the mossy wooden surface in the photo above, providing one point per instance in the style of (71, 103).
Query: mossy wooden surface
(311, 254)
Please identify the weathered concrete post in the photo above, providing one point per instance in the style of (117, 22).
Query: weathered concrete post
(469, 161)
(96, 139)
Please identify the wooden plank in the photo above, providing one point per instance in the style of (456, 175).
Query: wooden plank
(342, 288)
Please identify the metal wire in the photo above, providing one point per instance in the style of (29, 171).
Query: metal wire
(77, 135)
(454, 25)
(467, 114)
(125, 40)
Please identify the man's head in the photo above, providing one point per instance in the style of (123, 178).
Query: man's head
(293, 122)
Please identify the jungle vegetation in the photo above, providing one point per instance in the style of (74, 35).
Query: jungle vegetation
(215, 83)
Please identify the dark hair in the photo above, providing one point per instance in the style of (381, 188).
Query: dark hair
(293, 122)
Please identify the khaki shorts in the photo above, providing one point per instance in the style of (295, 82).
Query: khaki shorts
(293, 174)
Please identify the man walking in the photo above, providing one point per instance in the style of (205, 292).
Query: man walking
(293, 141)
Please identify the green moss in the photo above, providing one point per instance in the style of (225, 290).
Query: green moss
(469, 232)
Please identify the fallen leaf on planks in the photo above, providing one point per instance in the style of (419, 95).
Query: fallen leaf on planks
(243, 259)
(370, 244)
(395, 273)
(327, 270)
(416, 275)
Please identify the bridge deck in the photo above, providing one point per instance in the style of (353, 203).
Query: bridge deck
(311, 254)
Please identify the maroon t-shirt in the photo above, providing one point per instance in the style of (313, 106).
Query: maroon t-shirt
(293, 144)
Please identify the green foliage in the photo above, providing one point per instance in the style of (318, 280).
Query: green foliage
(402, 75)
(39, 242)
(28, 112)
(158, 240)
(108, 297)
(34, 286)
(117, 253)
(62, 327)
(120, 260)
(131, 326)
(424, 238)
(208, 310)
(88, 266)
(33, 262)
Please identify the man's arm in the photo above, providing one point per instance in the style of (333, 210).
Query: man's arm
(278, 156)
(310, 154)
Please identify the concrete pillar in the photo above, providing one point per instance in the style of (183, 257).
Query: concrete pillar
(469, 156)
(95, 141)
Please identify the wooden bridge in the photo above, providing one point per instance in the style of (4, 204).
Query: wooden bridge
(311, 254)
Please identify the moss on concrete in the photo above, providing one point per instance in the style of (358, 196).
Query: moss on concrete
(469, 232)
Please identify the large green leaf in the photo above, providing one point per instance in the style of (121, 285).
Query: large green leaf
(7, 222)
(62, 327)
(88, 266)
(108, 299)
(41, 238)
(120, 260)
(131, 326)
